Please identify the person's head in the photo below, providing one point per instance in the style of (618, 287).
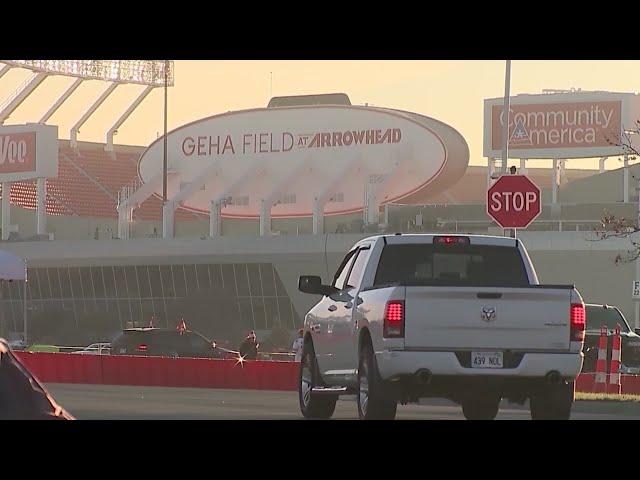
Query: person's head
(252, 336)
(301, 332)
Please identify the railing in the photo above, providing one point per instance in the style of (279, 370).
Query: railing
(279, 356)
(54, 349)
(37, 348)
(560, 225)
(127, 190)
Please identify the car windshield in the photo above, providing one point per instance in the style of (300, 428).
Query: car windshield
(598, 315)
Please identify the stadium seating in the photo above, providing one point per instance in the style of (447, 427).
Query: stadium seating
(88, 183)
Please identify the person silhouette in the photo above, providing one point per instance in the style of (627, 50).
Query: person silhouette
(249, 347)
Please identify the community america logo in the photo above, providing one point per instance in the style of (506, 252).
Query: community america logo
(520, 136)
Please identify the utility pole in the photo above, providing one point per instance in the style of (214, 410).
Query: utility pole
(505, 128)
(505, 116)
(164, 159)
(637, 301)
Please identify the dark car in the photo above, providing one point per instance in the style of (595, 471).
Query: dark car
(22, 396)
(598, 315)
(167, 342)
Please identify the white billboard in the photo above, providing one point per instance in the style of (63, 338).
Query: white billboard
(564, 125)
(28, 151)
(293, 155)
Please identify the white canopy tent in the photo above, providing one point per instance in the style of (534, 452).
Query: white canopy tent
(14, 268)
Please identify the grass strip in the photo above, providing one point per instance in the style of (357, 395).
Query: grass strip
(606, 397)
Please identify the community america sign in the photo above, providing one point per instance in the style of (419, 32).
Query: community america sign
(554, 128)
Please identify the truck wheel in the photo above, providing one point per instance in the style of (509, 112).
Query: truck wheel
(374, 400)
(553, 402)
(480, 408)
(313, 406)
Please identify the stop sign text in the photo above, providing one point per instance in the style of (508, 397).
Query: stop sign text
(514, 201)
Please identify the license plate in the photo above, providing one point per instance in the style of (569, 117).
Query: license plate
(486, 360)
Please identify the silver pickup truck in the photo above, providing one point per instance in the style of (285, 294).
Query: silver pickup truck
(452, 316)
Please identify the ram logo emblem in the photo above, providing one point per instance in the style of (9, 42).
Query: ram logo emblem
(488, 314)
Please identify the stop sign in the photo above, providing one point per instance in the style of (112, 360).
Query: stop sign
(513, 201)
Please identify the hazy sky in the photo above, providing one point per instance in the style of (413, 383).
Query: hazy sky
(451, 91)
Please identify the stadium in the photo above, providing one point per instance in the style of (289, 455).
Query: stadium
(257, 197)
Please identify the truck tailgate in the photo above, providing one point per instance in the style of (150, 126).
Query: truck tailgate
(448, 318)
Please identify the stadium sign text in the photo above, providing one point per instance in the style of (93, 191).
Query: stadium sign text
(17, 152)
(269, 142)
(559, 125)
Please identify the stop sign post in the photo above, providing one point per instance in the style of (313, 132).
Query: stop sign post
(514, 201)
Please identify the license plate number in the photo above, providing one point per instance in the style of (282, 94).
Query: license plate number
(486, 360)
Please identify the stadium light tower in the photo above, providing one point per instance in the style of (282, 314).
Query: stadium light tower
(142, 72)
(164, 159)
(150, 73)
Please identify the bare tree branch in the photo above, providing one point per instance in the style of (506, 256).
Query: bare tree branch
(611, 226)
(624, 140)
(614, 227)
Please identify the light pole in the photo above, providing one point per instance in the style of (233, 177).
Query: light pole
(164, 158)
(505, 130)
(505, 116)
(637, 262)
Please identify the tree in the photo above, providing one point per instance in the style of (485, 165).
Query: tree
(624, 140)
(612, 226)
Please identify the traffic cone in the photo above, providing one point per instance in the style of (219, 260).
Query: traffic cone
(600, 385)
(615, 385)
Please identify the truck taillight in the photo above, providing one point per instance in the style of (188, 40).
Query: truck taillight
(439, 240)
(578, 322)
(394, 319)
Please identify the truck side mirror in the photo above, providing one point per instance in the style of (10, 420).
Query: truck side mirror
(313, 284)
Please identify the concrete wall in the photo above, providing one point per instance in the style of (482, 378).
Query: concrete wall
(63, 227)
(84, 228)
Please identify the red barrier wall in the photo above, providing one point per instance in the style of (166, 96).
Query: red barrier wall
(585, 382)
(161, 372)
(195, 372)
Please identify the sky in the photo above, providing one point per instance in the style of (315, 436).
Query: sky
(451, 91)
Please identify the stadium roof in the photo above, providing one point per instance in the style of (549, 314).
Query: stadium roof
(308, 100)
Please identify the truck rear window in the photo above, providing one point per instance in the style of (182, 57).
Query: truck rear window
(451, 265)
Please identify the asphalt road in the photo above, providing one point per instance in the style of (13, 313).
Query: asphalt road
(100, 402)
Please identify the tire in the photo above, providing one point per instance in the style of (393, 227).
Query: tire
(553, 402)
(484, 408)
(313, 406)
(374, 399)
